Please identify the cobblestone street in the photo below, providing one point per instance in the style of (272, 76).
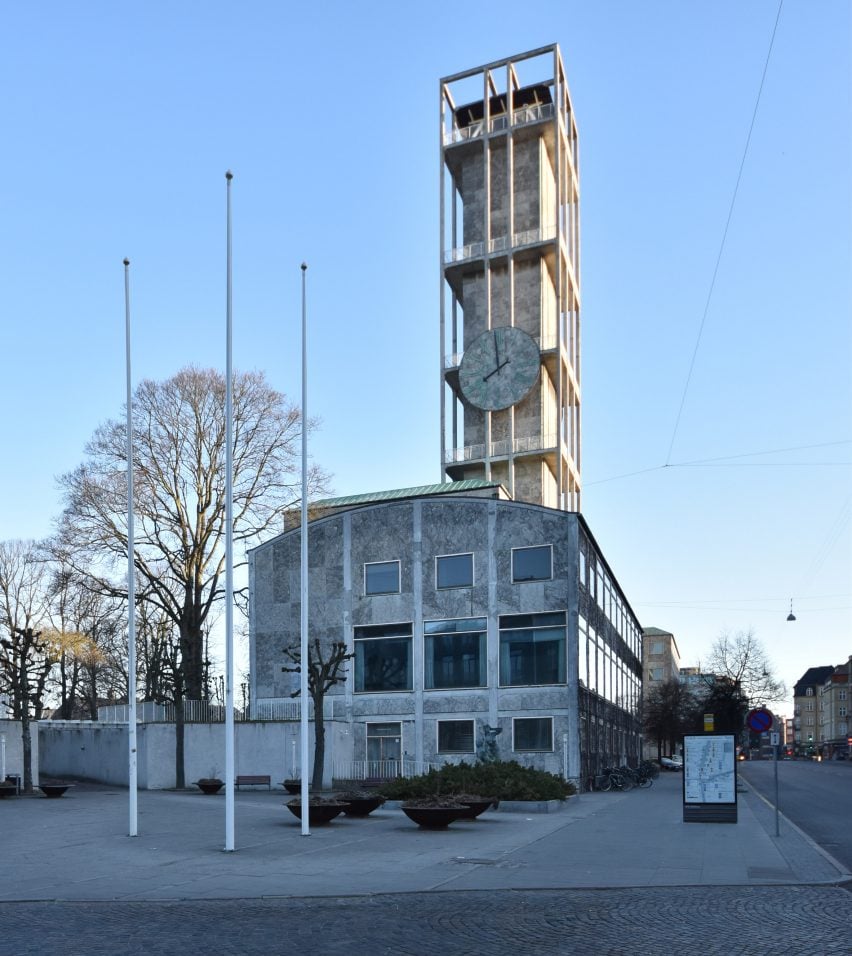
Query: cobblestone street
(734, 921)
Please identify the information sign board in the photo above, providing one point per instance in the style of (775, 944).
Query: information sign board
(709, 778)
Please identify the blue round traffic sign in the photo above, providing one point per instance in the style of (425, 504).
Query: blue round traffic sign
(759, 720)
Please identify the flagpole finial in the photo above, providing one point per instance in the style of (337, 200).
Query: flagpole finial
(304, 267)
(126, 261)
(229, 175)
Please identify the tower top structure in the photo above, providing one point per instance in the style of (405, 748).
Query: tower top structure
(510, 278)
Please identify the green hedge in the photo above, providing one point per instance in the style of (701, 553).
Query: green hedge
(502, 780)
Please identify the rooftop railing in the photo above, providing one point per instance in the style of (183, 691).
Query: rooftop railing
(522, 116)
(475, 250)
(500, 449)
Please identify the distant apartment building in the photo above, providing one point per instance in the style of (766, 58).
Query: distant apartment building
(696, 679)
(806, 707)
(661, 657)
(660, 663)
(833, 723)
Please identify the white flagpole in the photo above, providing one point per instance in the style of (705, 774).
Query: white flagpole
(131, 580)
(229, 549)
(303, 646)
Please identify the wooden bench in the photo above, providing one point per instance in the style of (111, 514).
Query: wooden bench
(254, 780)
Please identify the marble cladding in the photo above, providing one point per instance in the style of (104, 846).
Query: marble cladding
(415, 533)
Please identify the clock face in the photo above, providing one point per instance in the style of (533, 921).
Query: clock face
(499, 368)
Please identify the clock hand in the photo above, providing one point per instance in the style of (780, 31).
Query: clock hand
(494, 371)
(496, 351)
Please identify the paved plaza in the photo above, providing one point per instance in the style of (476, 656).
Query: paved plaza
(610, 873)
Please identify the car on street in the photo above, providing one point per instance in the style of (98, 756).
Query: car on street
(675, 762)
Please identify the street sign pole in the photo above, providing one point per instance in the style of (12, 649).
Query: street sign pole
(775, 761)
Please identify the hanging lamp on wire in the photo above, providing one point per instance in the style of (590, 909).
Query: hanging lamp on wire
(791, 616)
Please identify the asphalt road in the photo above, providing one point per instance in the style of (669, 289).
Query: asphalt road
(817, 797)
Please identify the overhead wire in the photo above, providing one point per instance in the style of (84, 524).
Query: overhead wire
(732, 461)
(724, 236)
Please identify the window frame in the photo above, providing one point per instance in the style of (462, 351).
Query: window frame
(368, 737)
(532, 547)
(455, 587)
(536, 750)
(369, 564)
(481, 632)
(401, 636)
(455, 720)
(503, 629)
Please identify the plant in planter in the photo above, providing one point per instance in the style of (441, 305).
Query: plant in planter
(292, 785)
(320, 809)
(210, 785)
(504, 780)
(435, 812)
(360, 803)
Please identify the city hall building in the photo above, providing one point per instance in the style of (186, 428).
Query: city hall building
(478, 610)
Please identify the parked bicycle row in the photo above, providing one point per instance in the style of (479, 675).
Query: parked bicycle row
(626, 778)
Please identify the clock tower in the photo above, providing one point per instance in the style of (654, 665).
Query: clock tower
(510, 268)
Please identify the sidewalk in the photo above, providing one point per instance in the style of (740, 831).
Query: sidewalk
(76, 848)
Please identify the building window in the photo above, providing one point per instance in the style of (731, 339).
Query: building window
(657, 648)
(382, 658)
(532, 734)
(381, 577)
(809, 692)
(532, 649)
(809, 705)
(842, 695)
(455, 653)
(384, 743)
(842, 711)
(454, 571)
(532, 564)
(455, 737)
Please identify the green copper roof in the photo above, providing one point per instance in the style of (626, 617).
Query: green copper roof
(447, 488)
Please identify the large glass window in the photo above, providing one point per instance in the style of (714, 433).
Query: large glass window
(532, 564)
(532, 734)
(532, 649)
(383, 658)
(455, 653)
(454, 571)
(381, 577)
(455, 737)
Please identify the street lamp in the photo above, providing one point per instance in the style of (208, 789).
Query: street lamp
(791, 616)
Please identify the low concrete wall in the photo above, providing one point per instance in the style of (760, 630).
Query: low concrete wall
(11, 729)
(98, 751)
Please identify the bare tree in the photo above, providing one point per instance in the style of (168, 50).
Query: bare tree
(26, 655)
(741, 660)
(179, 482)
(666, 712)
(86, 633)
(325, 669)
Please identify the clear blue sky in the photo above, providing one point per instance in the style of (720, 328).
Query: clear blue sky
(119, 122)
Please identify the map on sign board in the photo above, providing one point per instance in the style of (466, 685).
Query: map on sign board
(709, 769)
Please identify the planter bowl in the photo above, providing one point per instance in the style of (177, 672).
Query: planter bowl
(361, 806)
(473, 808)
(53, 790)
(318, 813)
(210, 786)
(433, 818)
(292, 786)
